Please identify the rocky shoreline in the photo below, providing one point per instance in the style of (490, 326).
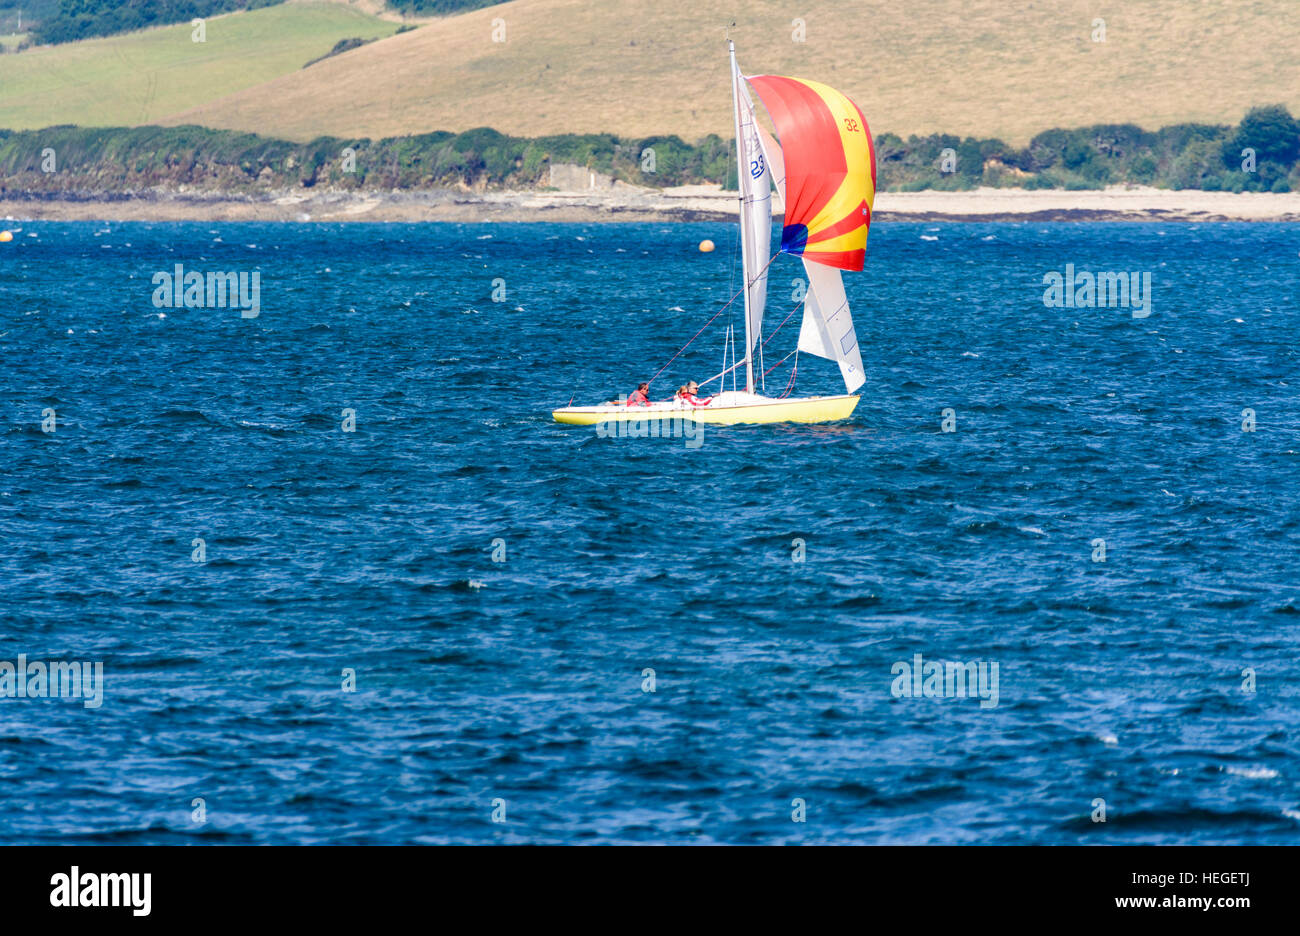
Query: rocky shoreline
(627, 203)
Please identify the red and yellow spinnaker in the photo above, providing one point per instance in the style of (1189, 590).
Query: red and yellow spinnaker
(830, 169)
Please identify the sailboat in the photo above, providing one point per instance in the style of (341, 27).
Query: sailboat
(824, 168)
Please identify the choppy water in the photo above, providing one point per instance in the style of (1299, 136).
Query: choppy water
(522, 680)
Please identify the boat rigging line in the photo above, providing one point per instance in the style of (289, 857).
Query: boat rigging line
(711, 320)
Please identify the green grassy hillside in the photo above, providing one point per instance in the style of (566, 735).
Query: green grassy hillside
(140, 77)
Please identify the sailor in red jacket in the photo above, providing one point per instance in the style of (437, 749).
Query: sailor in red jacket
(641, 397)
(689, 394)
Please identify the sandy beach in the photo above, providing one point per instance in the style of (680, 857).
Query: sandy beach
(627, 203)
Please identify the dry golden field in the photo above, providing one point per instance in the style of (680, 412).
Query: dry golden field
(972, 67)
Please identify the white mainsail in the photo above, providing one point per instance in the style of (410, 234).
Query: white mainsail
(755, 180)
(775, 158)
(827, 329)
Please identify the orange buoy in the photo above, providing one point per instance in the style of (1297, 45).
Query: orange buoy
(706, 246)
(6, 236)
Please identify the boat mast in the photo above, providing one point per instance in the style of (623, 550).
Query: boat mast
(742, 165)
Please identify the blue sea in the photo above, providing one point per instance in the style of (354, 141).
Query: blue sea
(348, 582)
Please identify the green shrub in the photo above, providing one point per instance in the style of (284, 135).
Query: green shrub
(1143, 168)
(1271, 132)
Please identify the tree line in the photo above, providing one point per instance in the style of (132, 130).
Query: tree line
(1261, 153)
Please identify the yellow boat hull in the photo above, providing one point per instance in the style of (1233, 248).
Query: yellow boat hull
(801, 410)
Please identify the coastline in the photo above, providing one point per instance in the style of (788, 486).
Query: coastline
(628, 203)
